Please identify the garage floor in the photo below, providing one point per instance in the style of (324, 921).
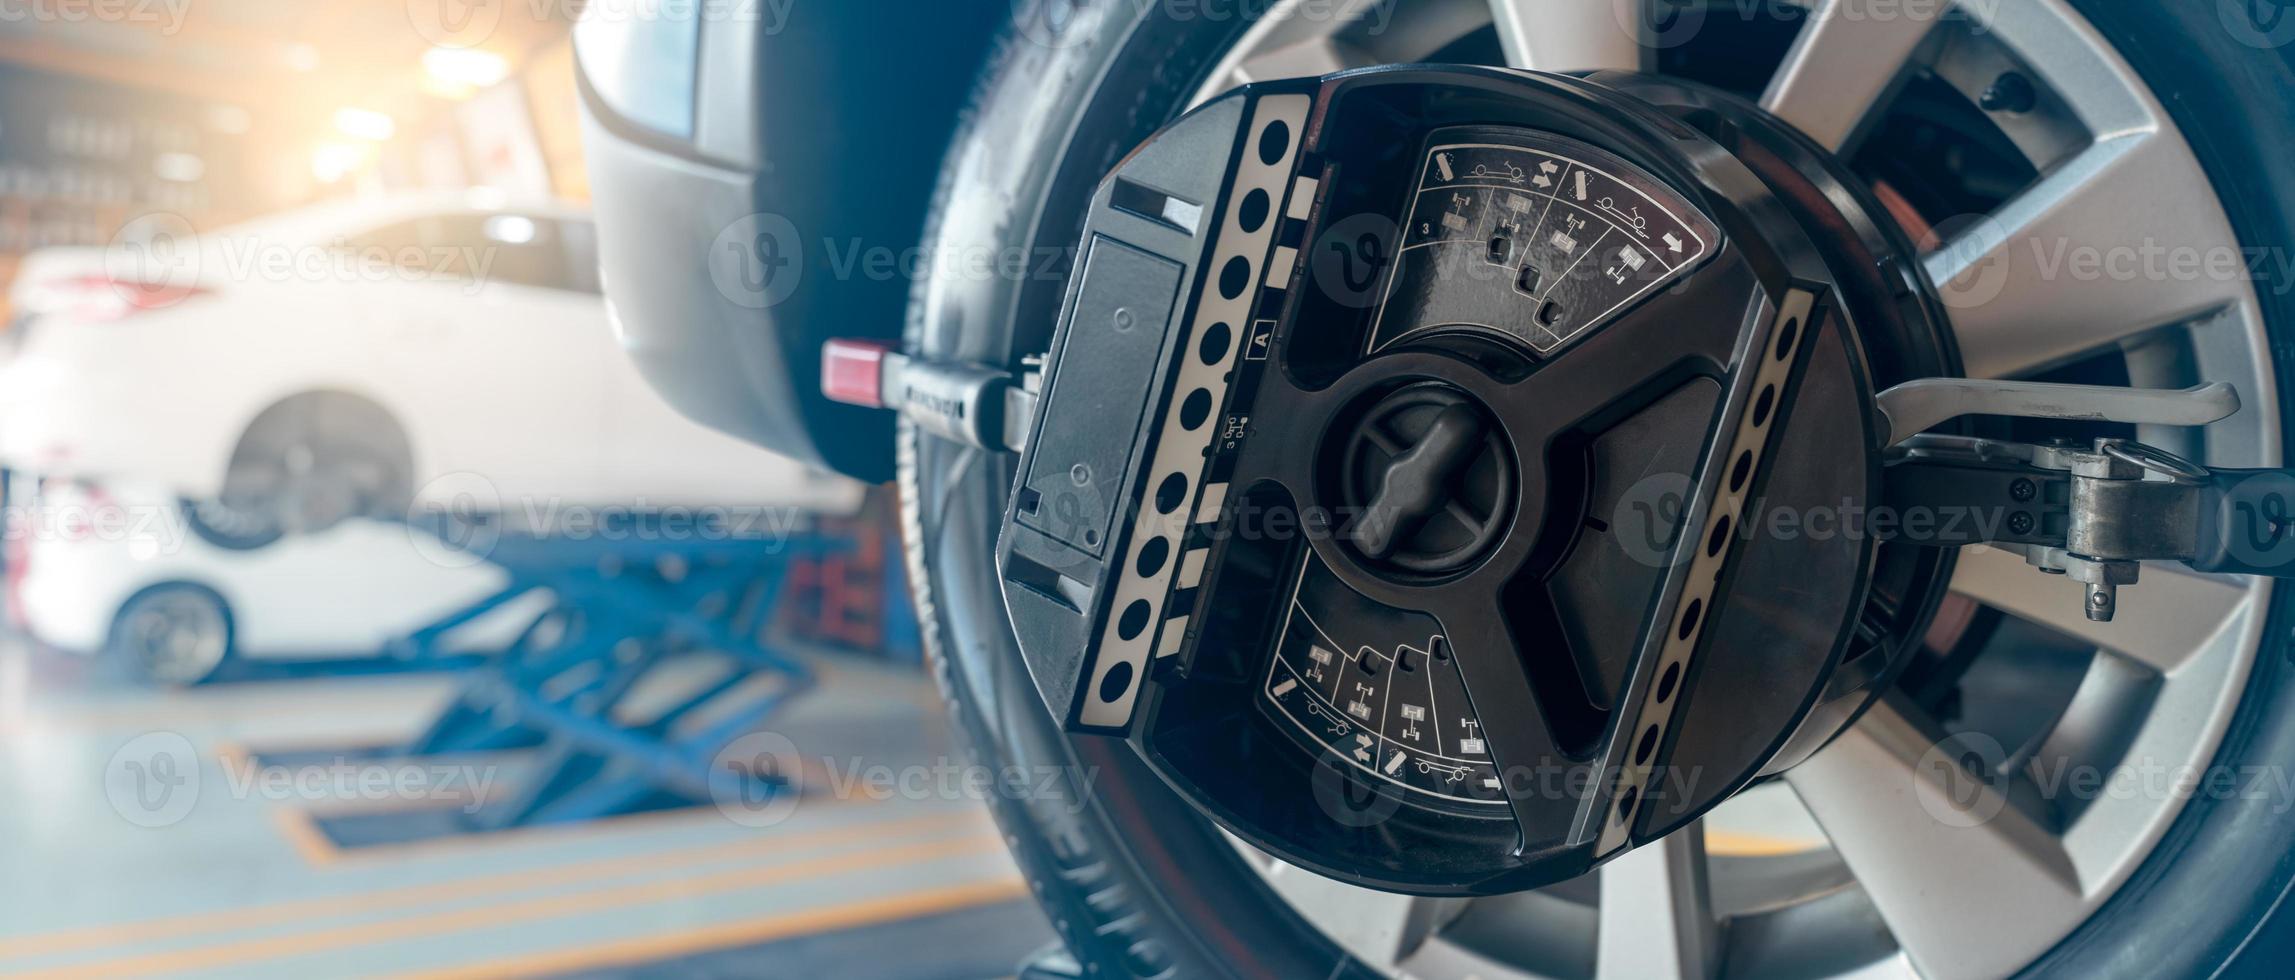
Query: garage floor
(245, 882)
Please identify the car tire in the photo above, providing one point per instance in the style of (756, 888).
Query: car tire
(317, 459)
(1134, 882)
(229, 529)
(1137, 882)
(175, 634)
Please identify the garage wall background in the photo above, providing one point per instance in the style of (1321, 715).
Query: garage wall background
(223, 110)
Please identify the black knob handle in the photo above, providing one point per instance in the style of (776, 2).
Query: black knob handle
(1417, 483)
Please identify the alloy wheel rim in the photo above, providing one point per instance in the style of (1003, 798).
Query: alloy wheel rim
(2156, 697)
(177, 637)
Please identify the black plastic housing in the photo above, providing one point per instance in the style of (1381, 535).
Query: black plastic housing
(1771, 686)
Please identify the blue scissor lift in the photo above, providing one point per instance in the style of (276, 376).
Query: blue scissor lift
(630, 604)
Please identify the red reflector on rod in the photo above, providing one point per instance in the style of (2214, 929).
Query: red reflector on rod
(852, 372)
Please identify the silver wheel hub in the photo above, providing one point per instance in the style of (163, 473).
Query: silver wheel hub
(1872, 831)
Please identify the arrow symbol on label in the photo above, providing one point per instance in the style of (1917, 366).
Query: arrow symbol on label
(1671, 242)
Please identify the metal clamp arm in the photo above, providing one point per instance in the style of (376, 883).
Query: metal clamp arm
(2246, 523)
(1917, 406)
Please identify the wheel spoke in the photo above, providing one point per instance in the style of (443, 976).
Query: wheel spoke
(1292, 42)
(1571, 35)
(1379, 928)
(1313, 56)
(1905, 822)
(1657, 915)
(2163, 618)
(2116, 241)
(1842, 67)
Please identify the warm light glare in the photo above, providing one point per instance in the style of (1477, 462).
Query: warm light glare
(364, 124)
(465, 66)
(230, 120)
(300, 57)
(331, 162)
(183, 168)
(511, 229)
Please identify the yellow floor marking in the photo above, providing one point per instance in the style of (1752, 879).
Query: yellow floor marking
(765, 843)
(1732, 843)
(230, 954)
(330, 856)
(648, 949)
(311, 843)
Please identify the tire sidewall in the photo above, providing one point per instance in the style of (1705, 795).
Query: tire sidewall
(1113, 854)
(1060, 108)
(118, 647)
(2217, 879)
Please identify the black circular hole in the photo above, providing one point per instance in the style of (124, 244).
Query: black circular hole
(1626, 803)
(1647, 745)
(1214, 344)
(1739, 471)
(1762, 405)
(1134, 619)
(1091, 536)
(1195, 409)
(1171, 493)
(1152, 555)
(1117, 680)
(1719, 537)
(1253, 212)
(1786, 335)
(1274, 141)
(1235, 277)
(1689, 616)
(1666, 681)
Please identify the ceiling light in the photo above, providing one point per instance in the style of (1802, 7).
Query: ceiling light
(364, 124)
(331, 162)
(465, 66)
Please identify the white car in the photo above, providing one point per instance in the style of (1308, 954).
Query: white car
(121, 571)
(355, 358)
